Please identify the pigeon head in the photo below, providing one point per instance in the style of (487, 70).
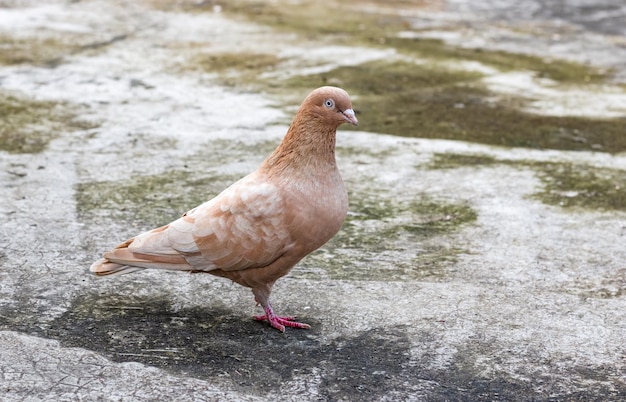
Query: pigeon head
(331, 104)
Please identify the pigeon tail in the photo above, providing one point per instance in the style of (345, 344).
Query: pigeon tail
(105, 267)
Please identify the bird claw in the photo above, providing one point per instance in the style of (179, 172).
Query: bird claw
(280, 322)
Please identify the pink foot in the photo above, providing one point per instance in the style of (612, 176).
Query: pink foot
(279, 322)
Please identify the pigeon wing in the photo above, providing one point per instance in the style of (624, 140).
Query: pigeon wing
(243, 227)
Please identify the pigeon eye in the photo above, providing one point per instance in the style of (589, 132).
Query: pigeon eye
(329, 103)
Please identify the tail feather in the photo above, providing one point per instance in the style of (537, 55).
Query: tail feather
(148, 250)
(121, 260)
(105, 267)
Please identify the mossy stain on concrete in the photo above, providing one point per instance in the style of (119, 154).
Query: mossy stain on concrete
(340, 22)
(453, 160)
(234, 69)
(154, 200)
(37, 51)
(51, 51)
(334, 22)
(426, 101)
(28, 125)
(436, 218)
(151, 200)
(574, 185)
(564, 184)
(237, 61)
(395, 241)
(562, 71)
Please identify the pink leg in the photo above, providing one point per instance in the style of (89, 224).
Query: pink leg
(279, 322)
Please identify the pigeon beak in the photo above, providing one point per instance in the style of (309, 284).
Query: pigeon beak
(349, 116)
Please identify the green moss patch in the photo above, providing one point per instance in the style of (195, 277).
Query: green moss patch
(234, 69)
(375, 221)
(152, 200)
(563, 184)
(436, 218)
(41, 51)
(570, 185)
(148, 201)
(386, 78)
(558, 70)
(453, 161)
(27, 125)
(253, 62)
(395, 241)
(50, 51)
(427, 101)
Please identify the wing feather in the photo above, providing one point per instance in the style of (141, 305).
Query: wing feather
(245, 228)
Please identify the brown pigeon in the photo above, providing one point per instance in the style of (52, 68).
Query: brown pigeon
(257, 229)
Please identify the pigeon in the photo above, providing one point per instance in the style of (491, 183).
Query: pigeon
(256, 230)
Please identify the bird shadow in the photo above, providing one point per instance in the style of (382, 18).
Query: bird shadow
(208, 342)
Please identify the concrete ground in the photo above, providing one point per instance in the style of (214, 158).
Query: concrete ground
(457, 275)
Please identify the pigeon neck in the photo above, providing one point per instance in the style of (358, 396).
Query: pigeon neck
(308, 144)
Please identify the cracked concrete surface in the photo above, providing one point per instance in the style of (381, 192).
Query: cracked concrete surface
(518, 299)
